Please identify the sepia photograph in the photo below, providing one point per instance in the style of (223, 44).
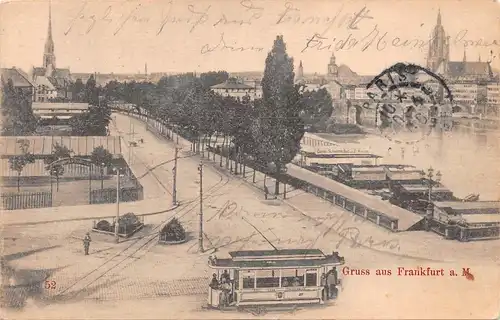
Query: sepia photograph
(250, 159)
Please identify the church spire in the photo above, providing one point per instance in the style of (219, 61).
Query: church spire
(49, 59)
(439, 17)
(479, 58)
(465, 55)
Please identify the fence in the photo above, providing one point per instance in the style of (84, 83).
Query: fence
(26, 200)
(108, 195)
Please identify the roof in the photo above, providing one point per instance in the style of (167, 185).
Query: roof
(279, 264)
(19, 78)
(405, 218)
(38, 71)
(59, 106)
(459, 205)
(461, 68)
(481, 218)
(287, 258)
(231, 84)
(44, 81)
(423, 188)
(42, 145)
(284, 252)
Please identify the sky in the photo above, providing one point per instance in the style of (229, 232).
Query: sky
(183, 36)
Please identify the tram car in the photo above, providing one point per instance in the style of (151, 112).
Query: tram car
(274, 277)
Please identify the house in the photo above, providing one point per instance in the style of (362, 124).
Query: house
(234, 88)
(19, 79)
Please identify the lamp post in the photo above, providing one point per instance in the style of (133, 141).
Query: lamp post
(200, 236)
(117, 171)
(174, 171)
(102, 175)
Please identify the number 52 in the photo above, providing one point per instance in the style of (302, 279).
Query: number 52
(50, 284)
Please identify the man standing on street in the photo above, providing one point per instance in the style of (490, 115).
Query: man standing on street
(86, 243)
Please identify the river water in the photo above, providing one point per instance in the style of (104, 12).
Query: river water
(468, 159)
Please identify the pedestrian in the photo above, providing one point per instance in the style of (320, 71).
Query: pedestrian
(214, 283)
(86, 243)
(331, 279)
(324, 284)
(266, 191)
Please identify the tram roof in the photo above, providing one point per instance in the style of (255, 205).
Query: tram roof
(277, 259)
(282, 252)
(276, 264)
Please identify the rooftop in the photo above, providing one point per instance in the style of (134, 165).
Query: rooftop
(459, 205)
(19, 78)
(231, 84)
(59, 106)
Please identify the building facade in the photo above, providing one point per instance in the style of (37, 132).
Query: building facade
(236, 89)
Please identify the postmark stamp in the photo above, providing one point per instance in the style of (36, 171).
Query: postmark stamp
(409, 102)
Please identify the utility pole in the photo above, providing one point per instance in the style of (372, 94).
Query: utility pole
(174, 188)
(117, 240)
(200, 236)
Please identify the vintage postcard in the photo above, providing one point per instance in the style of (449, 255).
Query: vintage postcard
(250, 159)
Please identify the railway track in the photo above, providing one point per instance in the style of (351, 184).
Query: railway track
(137, 249)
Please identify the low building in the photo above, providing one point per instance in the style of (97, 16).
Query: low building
(236, 89)
(476, 213)
(58, 110)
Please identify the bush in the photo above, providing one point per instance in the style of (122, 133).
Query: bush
(103, 225)
(128, 219)
(173, 231)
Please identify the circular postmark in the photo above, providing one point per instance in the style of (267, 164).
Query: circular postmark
(409, 102)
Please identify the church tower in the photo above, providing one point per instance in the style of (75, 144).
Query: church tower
(49, 58)
(439, 48)
(333, 70)
(300, 73)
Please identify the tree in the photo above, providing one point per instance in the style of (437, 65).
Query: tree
(103, 158)
(58, 152)
(212, 78)
(77, 91)
(17, 163)
(17, 114)
(91, 91)
(318, 108)
(278, 126)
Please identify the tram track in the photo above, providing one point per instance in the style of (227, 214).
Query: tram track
(129, 254)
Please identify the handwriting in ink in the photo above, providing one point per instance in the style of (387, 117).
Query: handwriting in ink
(222, 45)
(254, 13)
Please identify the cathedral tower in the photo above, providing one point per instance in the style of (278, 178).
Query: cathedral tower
(439, 48)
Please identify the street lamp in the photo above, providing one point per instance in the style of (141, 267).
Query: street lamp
(102, 175)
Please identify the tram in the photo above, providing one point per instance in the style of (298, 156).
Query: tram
(274, 277)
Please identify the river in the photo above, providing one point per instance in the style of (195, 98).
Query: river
(468, 159)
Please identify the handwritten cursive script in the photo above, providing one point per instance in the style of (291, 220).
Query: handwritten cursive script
(337, 225)
(348, 20)
(374, 39)
(222, 45)
(461, 39)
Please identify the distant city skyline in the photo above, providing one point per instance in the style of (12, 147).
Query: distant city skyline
(181, 36)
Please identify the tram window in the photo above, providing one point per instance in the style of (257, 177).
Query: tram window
(248, 282)
(311, 279)
(267, 279)
(292, 278)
